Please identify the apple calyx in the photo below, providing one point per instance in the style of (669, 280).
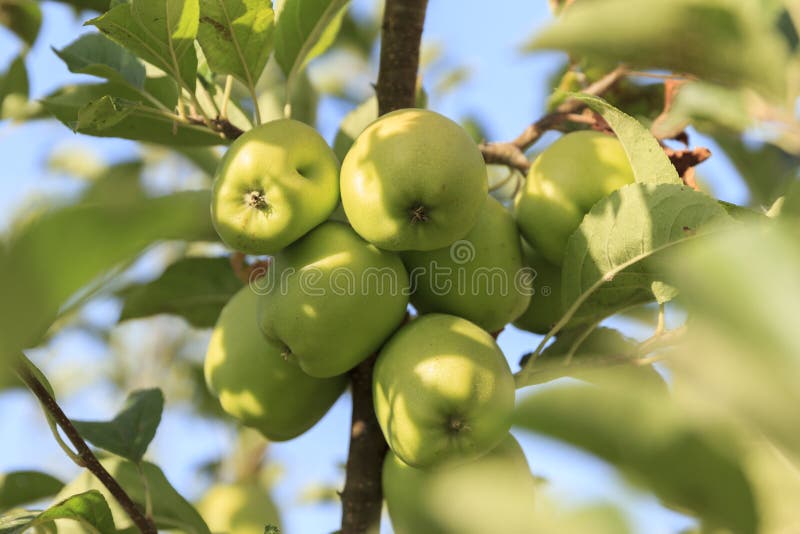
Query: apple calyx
(456, 424)
(418, 213)
(256, 199)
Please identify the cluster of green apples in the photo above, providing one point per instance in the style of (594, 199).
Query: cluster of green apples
(418, 221)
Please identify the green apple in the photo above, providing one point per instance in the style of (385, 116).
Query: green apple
(476, 278)
(243, 508)
(169, 509)
(275, 183)
(254, 381)
(411, 494)
(443, 391)
(331, 299)
(564, 182)
(545, 308)
(413, 180)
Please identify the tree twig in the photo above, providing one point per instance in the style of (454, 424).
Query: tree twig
(362, 497)
(512, 153)
(87, 457)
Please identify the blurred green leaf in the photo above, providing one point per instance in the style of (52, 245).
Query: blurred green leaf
(651, 442)
(705, 105)
(272, 93)
(765, 168)
(89, 508)
(648, 160)
(605, 354)
(741, 290)
(731, 42)
(14, 90)
(97, 55)
(353, 124)
(193, 288)
(25, 487)
(170, 510)
(53, 256)
(305, 29)
(160, 32)
(236, 36)
(608, 261)
(141, 122)
(23, 17)
(132, 429)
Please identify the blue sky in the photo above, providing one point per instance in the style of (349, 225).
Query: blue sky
(506, 90)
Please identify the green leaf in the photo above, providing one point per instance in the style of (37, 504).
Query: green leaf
(194, 288)
(648, 160)
(132, 429)
(89, 508)
(97, 55)
(236, 36)
(161, 32)
(648, 439)
(306, 28)
(23, 17)
(353, 124)
(723, 41)
(170, 510)
(141, 122)
(705, 105)
(53, 256)
(14, 90)
(25, 487)
(103, 113)
(608, 261)
(604, 354)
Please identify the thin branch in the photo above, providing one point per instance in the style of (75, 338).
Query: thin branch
(87, 457)
(512, 153)
(362, 497)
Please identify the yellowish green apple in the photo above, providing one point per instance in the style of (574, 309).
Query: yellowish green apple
(545, 308)
(275, 183)
(332, 299)
(413, 496)
(243, 508)
(477, 278)
(413, 180)
(255, 383)
(564, 182)
(443, 391)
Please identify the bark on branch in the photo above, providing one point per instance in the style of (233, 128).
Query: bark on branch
(362, 497)
(87, 457)
(512, 153)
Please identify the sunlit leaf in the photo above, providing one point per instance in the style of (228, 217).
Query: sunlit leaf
(236, 37)
(161, 32)
(90, 509)
(648, 160)
(607, 265)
